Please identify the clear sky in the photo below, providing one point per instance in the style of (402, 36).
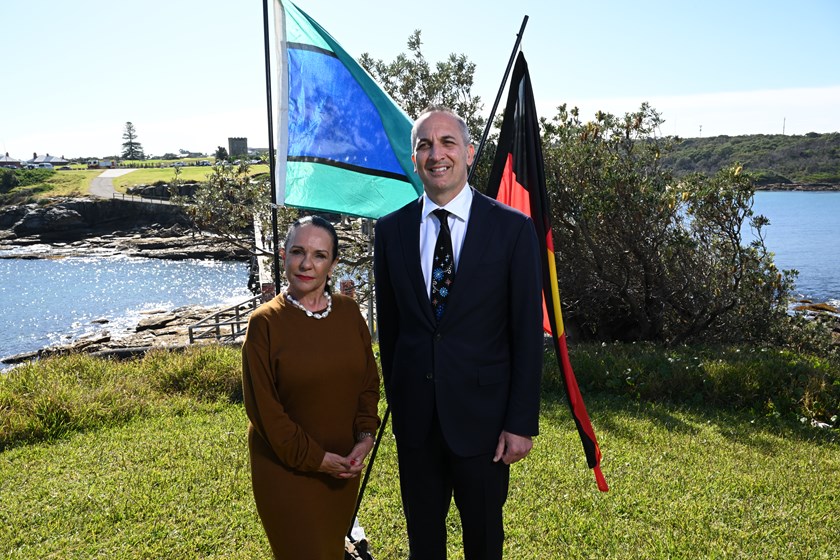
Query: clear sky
(191, 73)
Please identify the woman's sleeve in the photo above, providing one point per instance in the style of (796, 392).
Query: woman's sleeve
(290, 443)
(367, 416)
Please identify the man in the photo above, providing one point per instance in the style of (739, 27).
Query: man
(460, 330)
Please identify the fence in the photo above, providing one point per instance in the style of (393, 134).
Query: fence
(227, 324)
(136, 198)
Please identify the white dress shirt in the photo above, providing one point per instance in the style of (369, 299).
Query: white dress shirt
(459, 217)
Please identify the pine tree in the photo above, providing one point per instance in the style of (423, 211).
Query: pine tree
(131, 147)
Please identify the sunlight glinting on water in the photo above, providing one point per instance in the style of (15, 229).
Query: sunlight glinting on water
(48, 301)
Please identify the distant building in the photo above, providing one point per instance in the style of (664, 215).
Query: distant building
(53, 160)
(237, 147)
(8, 161)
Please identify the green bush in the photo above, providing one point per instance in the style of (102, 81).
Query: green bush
(27, 177)
(644, 256)
(8, 180)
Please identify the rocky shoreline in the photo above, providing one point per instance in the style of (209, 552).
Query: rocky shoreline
(160, 328)
(156, 241)
(805, 187)
(81, 227)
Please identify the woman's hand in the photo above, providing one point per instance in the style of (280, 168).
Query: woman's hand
(359, 452)
(336, 466)
(350, 466)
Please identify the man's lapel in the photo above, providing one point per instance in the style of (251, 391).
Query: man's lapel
(409, 225)
(472, 253)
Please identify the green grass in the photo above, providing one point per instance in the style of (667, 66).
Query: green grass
(76, 182)
(71, 183)
(38, 184)
(763, 380)
(150, 176)
(165, 473)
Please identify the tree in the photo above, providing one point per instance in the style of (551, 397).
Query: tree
(643, 256)
(221, 154)
(8, 180)
(131, 147)
(412, 83)
(228, 203)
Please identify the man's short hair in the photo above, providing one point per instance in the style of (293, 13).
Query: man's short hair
(462, 124)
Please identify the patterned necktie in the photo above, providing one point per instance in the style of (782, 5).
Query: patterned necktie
(443, 266)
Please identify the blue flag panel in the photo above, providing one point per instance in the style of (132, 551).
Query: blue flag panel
(344, 145)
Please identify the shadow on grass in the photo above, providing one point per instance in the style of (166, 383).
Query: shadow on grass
(742, 426)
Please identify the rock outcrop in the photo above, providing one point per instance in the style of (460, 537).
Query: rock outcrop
(159, 329)
(81, 226)
(74, 218)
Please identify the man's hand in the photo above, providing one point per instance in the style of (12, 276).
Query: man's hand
(512, 448)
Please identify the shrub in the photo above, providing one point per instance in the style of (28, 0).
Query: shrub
(643, 256)
(8, 180)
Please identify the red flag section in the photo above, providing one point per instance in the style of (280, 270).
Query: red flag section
(518, 180)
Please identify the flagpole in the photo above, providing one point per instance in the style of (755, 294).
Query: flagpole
(271, 159)
(498, 97)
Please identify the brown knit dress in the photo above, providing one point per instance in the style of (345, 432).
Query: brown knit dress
(310, 385)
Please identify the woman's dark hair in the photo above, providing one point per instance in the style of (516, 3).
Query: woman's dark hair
(316, 221)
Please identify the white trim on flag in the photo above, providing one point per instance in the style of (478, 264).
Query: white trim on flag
(282, 148)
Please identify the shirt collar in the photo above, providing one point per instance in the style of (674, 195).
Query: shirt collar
(458, 206)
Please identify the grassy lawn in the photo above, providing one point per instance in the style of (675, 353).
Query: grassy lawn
(41, 183)
(71, 183)
(76, 181)
(150, 176)
(160, 470)
(167, 174)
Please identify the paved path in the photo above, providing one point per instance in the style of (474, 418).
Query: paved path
(102, 186)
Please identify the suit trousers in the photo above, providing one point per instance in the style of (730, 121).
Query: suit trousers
(429, 477)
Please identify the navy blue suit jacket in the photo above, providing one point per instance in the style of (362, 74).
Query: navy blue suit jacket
(480, 367)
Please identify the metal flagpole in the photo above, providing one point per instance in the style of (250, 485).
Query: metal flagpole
(271, 158)
(498, 97)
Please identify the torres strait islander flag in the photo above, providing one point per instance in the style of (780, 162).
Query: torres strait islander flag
(518, 180)
(344, 145)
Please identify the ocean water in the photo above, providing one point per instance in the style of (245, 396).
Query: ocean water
(804, 234)
(49, 301)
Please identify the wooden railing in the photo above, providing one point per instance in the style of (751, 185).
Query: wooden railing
(137, 198)
(225, 325)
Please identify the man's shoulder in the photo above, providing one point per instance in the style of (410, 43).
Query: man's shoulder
(396, 215)
(504, 211)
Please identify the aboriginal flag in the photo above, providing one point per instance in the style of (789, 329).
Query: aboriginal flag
(518, 180)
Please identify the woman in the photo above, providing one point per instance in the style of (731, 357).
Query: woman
(311, 392)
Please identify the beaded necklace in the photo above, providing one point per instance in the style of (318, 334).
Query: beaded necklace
(299, 305)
